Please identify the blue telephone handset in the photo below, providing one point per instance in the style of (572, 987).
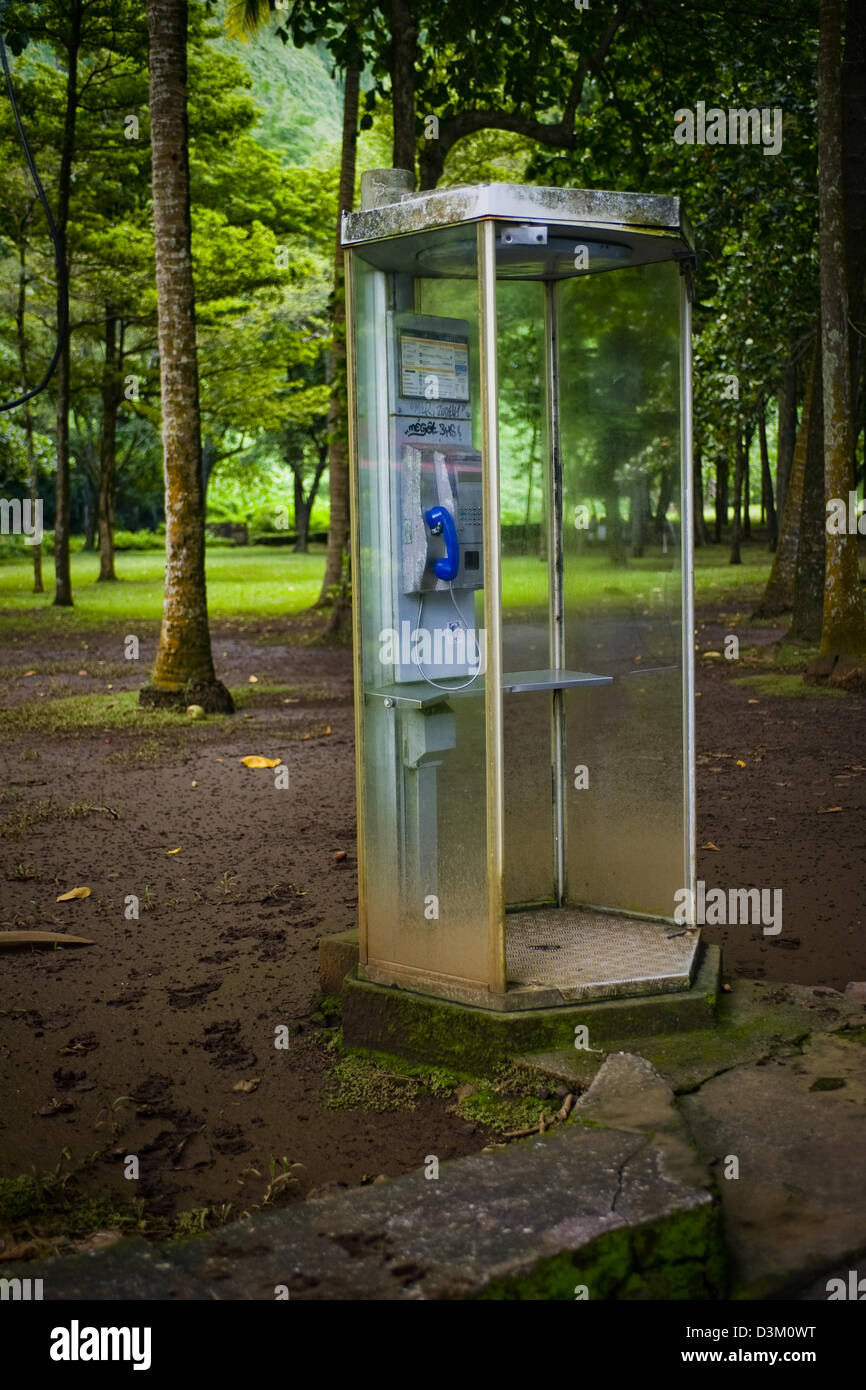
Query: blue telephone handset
(441, 523)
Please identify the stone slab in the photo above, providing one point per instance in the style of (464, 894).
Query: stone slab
(797, 1125)
(592, 1208)
(754, 1020)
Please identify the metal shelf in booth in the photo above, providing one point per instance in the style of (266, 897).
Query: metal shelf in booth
(420, 695)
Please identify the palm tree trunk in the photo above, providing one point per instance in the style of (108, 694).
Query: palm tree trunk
(338, 443)
(32, 466)
(183, 670)
(62, 575)
(108, 450)
(843, 632)
(404, 46)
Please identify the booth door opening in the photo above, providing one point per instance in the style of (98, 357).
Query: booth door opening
(595, 829)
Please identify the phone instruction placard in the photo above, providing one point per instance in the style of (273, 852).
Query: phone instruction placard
(440, 359)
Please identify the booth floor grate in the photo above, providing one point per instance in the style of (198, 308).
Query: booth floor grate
(597, 955)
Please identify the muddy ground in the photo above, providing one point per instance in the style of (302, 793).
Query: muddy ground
(137, 1045)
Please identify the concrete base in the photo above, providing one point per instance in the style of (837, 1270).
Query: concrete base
(382, 1019)
(338, 954)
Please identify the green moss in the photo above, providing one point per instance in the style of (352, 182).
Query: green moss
(475, 1040)
(327, 1010)
(827, 1083)
(362, 1085)
(678, 1258)
(55, 1208)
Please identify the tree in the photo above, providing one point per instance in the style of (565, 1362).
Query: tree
(183, 670)
(843, 631)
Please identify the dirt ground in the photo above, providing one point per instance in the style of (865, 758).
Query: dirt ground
(137, 1044)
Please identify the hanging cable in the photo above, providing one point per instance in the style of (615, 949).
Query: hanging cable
(62, 281)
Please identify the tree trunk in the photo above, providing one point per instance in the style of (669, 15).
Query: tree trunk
(721, 496)
(787, 433)
(843, 634)
(338, 407)
(62, 574)
(302, 513)
(666, 492)
(183, 670)
(111, 397)
(747, 490)
(739, 477)
(700, 525)
(89, 518)
(854, 193)
(32, 466)
(404, 50)
(809, 568)
(779, 593)
(766, 475)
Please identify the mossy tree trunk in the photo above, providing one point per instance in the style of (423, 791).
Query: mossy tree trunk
(808, 592)
(183, 658)
(338, 406)
(843, 632)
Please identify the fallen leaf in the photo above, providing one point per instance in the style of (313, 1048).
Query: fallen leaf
(254, 760)
(193, 784)
(175, 851)
(710, 845)
(740, 763)
(82, 672)
(73, 893)
(339, 855)
(247, 1086)
(828, 810)
(30, 673)
(753, 702)
(254, 680)
(11, 939)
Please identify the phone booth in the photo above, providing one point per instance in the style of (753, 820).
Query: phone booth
(520, 435)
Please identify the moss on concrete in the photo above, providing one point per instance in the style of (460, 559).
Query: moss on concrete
(475, 1040)
(679, 1258)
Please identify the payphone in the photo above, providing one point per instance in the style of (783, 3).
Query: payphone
(438, 500)
(525, 779)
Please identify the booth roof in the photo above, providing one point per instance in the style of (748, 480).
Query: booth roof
(589, 208)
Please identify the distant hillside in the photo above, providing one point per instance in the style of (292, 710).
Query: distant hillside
(302, 104)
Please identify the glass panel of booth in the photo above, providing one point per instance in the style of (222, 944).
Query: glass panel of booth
(421, 564)
(589, 478)
(622, 562)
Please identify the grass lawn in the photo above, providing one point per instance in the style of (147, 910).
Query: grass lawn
(242, 582)
(248, 582)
